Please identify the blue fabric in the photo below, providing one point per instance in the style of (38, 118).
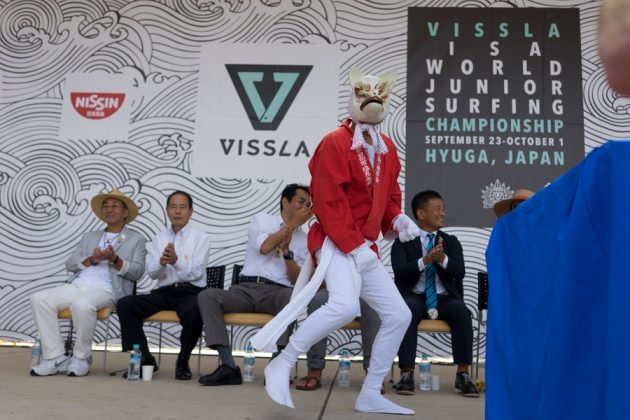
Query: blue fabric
(559, 311)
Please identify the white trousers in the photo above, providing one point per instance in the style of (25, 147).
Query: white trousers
(377, 288)
(83, 301)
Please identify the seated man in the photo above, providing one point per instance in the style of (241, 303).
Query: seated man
(429, 272)
(276, 250)
(177, 260)
(106, 264)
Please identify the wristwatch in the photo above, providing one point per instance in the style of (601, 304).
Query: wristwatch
(288, 255)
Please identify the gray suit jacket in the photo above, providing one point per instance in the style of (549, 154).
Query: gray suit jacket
(132, 250)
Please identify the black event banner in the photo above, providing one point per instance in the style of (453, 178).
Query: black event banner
(494, 103)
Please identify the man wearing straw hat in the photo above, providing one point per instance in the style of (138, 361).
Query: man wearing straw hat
(105, 266)
(503, 207)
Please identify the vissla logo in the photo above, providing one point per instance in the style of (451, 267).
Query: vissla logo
(267, 91)
(96, 105)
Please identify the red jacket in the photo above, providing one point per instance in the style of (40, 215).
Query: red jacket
(350, 201)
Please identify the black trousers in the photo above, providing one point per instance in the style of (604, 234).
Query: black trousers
(133, 309)
(451, 310)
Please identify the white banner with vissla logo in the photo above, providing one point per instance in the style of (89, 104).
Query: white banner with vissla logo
(96, 107)
(262, 109)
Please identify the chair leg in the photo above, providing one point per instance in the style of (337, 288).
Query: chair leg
(109, 317)
(478, 344)
(391, 373)
(160, 347)
(69, 345)
(199, 358)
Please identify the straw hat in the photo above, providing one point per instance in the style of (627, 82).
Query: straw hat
(97, 204)
(504, 206)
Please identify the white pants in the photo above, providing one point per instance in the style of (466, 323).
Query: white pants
(378, 290)
(83, 301)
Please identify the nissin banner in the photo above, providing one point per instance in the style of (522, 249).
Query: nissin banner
(96, 107)
(494, 104)
(263, 109)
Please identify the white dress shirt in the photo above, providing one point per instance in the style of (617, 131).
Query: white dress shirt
(439, 287)
(271, 266)
(192, 247)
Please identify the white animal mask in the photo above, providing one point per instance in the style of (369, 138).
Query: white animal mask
(369, 96)
(368, 105)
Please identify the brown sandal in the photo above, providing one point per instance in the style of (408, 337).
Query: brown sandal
(303, 384)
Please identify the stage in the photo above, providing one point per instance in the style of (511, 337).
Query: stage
(100, 396)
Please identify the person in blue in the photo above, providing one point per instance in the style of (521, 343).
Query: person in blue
(429, 273)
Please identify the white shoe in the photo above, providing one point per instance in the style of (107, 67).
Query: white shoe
(49, 367)
(371, 401)
(79, 367)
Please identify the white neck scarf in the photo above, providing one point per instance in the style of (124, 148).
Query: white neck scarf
(374, 130)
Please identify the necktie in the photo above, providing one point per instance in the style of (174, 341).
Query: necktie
(429, 272)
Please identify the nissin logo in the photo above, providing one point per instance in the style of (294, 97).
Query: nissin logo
(267, 91)
(96, 106)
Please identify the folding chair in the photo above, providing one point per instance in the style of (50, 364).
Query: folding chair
(103, 314)
(482, 305)
(425, 326)
(246, 318)
(215, 279)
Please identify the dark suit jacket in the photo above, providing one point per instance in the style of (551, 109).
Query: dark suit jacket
(405, 264)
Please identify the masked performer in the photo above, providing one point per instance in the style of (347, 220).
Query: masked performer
(355, 195)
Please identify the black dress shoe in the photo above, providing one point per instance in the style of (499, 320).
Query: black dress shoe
(146, 361)
(406, 385)
(182, 370)
(223, 375)
(465, 386)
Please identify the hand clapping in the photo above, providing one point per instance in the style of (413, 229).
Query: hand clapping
(168, 256)
(437, 252)
(99, 254)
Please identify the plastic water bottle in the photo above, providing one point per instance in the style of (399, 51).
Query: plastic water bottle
(343, 376)
(36, 352)
(135, 360)
(248, 364)
(425, 373)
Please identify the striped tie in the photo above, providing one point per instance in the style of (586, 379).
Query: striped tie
(429, 271)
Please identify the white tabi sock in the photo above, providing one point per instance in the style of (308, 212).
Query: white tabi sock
(371, 401)
(278, 377)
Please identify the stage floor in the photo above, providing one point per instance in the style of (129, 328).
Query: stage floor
(100, 396)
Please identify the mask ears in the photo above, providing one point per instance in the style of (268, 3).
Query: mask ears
(355, 75)
(387, 80)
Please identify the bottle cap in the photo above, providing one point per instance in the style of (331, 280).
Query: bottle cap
(136, 346)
